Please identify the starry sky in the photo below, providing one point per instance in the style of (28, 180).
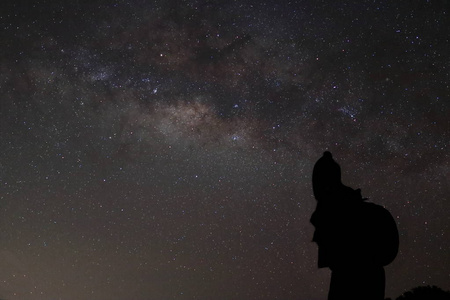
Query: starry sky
(164, 149)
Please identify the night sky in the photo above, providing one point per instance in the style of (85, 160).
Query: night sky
(164, 149)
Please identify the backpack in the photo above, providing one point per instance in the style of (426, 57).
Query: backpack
(379, 233)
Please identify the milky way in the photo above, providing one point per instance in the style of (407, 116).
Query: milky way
(164, 150)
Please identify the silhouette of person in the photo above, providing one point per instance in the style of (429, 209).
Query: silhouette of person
(351, 241)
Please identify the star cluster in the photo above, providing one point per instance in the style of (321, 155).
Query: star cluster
(164, 149)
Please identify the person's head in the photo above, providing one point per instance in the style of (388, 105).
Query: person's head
(326, 176)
